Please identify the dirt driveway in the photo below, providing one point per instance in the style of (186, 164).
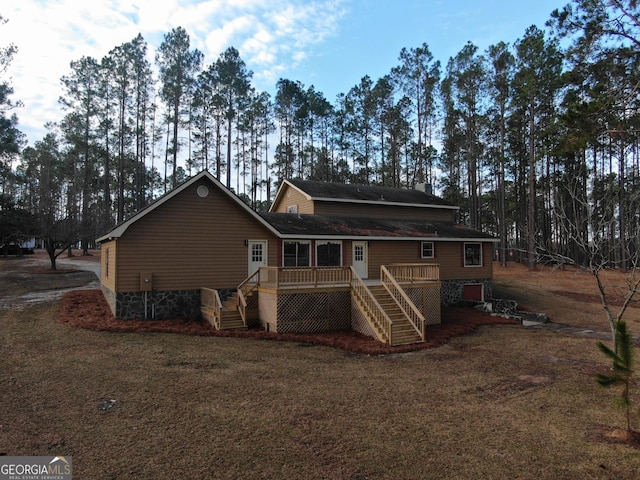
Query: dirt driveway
(28, 280)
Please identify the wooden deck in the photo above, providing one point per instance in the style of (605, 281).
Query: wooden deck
(392, 316)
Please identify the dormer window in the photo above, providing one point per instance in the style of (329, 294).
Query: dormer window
(292, 209)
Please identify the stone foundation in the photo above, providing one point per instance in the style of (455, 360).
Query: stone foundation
(155, 305)
(452, 290)
(302, 313)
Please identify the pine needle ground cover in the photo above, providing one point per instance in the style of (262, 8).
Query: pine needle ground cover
(501, 402)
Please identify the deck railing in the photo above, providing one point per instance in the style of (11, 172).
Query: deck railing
(414, 272)
(376, 313)
(210, 301)
(404, 302)
(313, 277)
(301, 277)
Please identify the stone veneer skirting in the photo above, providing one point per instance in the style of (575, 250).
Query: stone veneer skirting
(158, 305)
(321, 311)
(452, 290)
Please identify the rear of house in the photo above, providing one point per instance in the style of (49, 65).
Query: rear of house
(201, 235)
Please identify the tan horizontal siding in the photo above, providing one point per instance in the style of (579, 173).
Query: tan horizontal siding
(191, 242)
(448, 256)
(383, 211)
(291, 196)
(108, 256)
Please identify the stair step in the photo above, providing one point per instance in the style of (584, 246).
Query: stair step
(402, 331)
(232, 322)
(409, 342)
(405, 331)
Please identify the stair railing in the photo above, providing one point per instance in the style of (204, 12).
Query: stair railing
(415, 316)
(210, 300)
(374, 312)
(245, 289)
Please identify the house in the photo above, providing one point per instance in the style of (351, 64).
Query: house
(326, 256)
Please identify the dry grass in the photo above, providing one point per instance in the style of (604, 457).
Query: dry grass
(568, 295)
(504, 402)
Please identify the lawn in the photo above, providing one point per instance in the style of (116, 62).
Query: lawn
(503, 402)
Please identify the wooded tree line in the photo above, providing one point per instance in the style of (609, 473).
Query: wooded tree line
(536, 140)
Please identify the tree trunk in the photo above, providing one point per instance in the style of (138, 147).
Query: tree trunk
(50, 247)
(532, 193)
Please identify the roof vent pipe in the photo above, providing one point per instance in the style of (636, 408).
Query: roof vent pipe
(424, 187)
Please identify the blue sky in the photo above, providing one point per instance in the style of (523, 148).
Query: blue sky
(330, 44)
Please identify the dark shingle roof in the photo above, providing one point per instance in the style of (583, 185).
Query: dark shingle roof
(292, 224)
(367, 193)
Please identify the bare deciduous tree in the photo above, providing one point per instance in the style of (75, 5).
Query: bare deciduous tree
(588, 241)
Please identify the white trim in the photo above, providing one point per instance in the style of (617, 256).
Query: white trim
(464, 255)
(280, 193)
(365, 262)
(298, 240)
(287, 236)
(265, 254)
(433, 249)
(324, 242)
(118, 231)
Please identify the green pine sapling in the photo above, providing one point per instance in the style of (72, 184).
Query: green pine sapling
(622, 361)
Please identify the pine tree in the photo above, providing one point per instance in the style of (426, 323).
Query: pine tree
(622, 367)
(178, 68)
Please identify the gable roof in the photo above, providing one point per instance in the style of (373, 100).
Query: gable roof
(371, 194)
(293, 225)
(120, 229)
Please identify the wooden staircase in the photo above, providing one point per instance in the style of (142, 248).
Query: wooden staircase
(231, 318)
(402, 331)
(221, 315)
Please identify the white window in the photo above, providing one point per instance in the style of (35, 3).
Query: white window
(472, 254)
(296, 254)
(427, 250)
(257, 252)
(358, 253)
(328, 254)
(292, 209)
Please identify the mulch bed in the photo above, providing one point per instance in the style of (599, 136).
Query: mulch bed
(88, 309)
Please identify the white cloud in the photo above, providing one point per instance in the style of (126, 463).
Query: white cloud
(218, 40)
(272, 36)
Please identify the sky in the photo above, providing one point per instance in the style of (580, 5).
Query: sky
(330, 44)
